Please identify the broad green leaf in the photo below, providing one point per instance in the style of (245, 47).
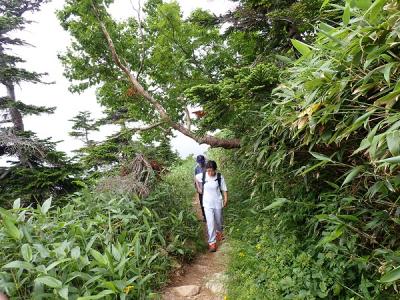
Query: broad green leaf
(303, 48)
(365, 143)
(17, 203)
(346, 14)
(42, 250)
(98, 296)
(354, 172)
(146, 278)
(137, 245)
(389, 100)
(349, 218)
(7, 214)
(63, 292)
(386, 72)
(364, 116)
(332, 236)
(19, 265)
(320, 156)
(76, 252)
(326, 27)
(11, 229)
(152, 258)
(325, 3)
(320, 164)
(25, 229)
(374, 11)
(56, 263)
(362, 4)
(91, 241)
(46, 206)
(277, 203)
(26, 252)
(333, 185)
(393, 142)
(284, 59)
(98, 257)
(391, 160)
(391, 276)
(49, 281)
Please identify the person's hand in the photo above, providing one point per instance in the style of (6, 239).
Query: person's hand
(225, 203)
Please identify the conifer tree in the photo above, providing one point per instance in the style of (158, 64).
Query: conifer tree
(36, 170)
(83, 125)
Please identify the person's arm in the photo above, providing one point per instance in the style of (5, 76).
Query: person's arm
(224, 190)
(198, 186)
(225, 198)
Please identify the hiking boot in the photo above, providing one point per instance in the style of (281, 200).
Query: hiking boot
(220, 236)
(212, 247)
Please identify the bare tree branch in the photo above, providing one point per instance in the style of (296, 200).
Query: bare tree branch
(210, 140)
(140, 21)
(145, 128)
(188, 119)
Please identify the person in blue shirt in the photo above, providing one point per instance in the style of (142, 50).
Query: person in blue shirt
(200, 169)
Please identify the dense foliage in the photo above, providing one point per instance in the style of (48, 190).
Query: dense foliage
(99, 245)
(323, 215)
(310, 87)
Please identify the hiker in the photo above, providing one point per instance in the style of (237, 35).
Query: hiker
(212, 184)
(200, 168)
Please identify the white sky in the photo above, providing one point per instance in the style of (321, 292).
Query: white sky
(49, 39)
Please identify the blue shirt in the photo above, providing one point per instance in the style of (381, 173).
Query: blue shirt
(198, 170)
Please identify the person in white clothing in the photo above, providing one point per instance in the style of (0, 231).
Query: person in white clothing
(212, 185)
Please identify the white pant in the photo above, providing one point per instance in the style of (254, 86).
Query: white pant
(214, 220)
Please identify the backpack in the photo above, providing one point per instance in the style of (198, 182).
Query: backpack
(203, 181)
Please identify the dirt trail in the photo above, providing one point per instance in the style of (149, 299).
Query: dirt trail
(204, 278)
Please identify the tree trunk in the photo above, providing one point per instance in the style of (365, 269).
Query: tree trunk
(16, 116)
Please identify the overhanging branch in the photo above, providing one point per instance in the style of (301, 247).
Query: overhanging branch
(145, 128)
(210, 140)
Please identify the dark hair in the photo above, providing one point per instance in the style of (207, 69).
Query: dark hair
(211, 165)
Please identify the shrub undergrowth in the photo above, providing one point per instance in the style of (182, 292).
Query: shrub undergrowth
(277, 251)
(99, 245)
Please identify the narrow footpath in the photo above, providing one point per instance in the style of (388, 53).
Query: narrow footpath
(204, 278)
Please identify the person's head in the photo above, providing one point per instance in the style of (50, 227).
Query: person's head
(211, 168)
(201, 160)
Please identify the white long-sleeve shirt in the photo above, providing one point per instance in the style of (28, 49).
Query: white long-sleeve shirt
(212, 197)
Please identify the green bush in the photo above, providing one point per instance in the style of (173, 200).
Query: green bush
(99, 246)
(325, 162)
(280, 248)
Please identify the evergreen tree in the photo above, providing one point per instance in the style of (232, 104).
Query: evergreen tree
(12, 19)
(14, 140)
(83, 125)
(40, 170)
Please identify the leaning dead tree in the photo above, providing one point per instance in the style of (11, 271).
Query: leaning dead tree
(16, 145)
(135, 178)
(146, 95)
